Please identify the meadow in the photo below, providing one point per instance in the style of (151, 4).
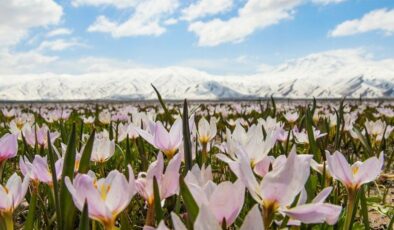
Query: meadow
(213, 165)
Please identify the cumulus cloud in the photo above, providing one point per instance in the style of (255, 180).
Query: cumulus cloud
(326, 2)
(381, 19)
(17, 17)
(121, 4)
(145, 20)
(254, 15)
(59, 32)
(59, 44)
(26, 62)
(204, 8)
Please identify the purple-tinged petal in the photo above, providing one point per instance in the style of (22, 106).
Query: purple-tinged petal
(206, 220)
(322, 196)
(219, 201)
(253, 220)
(315, 213)
(339, 168)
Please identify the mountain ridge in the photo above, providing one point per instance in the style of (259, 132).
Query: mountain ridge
(328, 75)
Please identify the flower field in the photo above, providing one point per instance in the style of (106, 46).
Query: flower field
(220, 165)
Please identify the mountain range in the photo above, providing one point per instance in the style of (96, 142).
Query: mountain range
(324, 75)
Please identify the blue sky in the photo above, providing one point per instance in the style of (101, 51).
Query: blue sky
(253, 33)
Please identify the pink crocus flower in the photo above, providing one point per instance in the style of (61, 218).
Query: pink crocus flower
(103, 148)
(168, 182)
(38, 170)
(301, 137)
(166, 141)
(206, 131)
(8, 113)
(127, 129)
(279, 187)
(40, 134)
(255, 150)
(199, 176)
(8, 147)
(106, 197)
(12, 194)
(217, 198)
(88, 120)
(353, 176)
(291, 117)
(206, 220)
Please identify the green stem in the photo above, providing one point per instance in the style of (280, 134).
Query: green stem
(150, 215)
(2, 163)
(32, 209)
(268, 215)
(9, 222)
(102, 169)
(351, 199)
(109, 226)
(204, 153)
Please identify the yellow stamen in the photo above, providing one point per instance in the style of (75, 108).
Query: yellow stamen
(170, 153)
(355, 170)
(104, 191)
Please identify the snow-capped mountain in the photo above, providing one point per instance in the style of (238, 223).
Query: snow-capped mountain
(323, 75)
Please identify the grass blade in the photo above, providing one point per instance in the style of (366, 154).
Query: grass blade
(190, 203)
(84, 163)
(311, 136)
(157, 201)
(364, 208)
(51, 158)
(66, 203)
(186, 137)
(84, 222)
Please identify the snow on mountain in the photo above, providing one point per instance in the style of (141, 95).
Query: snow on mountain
(329, 74)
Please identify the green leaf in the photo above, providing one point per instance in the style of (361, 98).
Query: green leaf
(313, 106)
(273, 106)
(190, 203)
(141, 152)
(128, 156)
(51, 159)
(84, 163)
(158, 211)
(124, 221)
(364, 142)
(340, 125)
(84, 222)
(186, 137)
(160, 99)
(364, 208)
(111, 131)
(311, 136)
(29, 223)
(66, 202)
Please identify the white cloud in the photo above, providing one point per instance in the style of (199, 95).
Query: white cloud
(326, 2)
(59, 44)
(121, 4)
(59, 32)
(145, 20)
(170, 21)
(17, 17)
(27, 62)
(204, 8)
(254, 15)
(381, 19)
